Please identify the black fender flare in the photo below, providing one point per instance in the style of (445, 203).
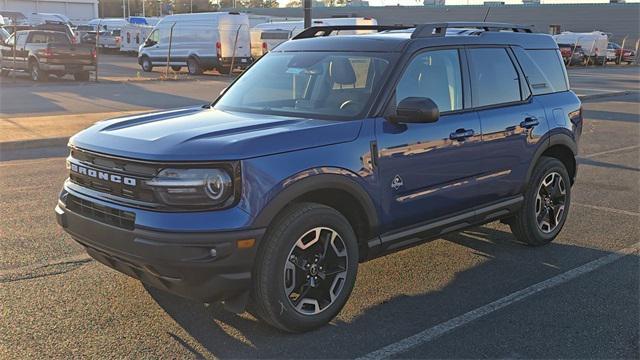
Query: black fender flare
(553, 140)
(328, 181)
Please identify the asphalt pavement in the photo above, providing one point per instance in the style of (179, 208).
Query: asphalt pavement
(575, 298)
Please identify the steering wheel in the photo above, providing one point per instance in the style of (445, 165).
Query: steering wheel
(347, 104)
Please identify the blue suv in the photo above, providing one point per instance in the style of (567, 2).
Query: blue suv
(327, 152)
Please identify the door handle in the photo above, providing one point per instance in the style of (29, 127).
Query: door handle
(529, 122)
(461, 134)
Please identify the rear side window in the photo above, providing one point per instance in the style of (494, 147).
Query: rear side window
(494, 79)
(549, 64)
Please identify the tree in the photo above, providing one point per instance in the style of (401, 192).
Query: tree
(294, 4)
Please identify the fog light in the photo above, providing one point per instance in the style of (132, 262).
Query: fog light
(213, 252)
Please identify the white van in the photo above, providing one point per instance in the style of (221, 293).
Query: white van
(42, 18)
(594, 44)
(266, 36)
(132, 36)
(202, 41)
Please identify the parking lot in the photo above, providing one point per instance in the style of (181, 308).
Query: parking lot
(474, 293)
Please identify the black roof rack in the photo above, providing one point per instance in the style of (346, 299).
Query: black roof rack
(327, 30)
(440, 29)
(421, 30)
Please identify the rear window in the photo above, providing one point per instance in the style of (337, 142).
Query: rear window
(52, 37)
(276, 35)
(544, 70)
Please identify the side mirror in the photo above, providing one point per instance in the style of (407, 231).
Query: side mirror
(416, 110)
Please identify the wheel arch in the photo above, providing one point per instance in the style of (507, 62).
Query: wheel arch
(340, 192)
(562, 147)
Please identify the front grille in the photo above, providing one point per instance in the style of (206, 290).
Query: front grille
(93, 165)
(103, 214)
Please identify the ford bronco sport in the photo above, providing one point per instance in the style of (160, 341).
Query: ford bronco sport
(327, 152)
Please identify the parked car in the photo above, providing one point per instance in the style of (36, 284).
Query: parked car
(133, 36)
(329, 151)
(593, 44)
(43, 18)
(9, 16)
(266, 36)
(618, 55)
(202, 41)
(82, 30)
(572, 54)
(42, 53)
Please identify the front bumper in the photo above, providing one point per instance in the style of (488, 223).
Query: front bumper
(201, 266)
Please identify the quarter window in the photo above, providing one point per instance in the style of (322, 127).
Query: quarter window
(434, 75)
(494, 79)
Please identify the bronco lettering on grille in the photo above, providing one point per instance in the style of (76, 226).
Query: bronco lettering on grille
(102, 175)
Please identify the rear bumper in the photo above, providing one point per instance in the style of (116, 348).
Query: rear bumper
(201, 266)
(66, 68)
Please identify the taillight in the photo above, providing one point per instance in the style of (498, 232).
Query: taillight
(74, 40)
(219, 49)
(47, 53)
(94, 55)
(117, 39)
(265, 49)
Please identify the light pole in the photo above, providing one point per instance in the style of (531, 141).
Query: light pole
(307, 13)
(124, 10)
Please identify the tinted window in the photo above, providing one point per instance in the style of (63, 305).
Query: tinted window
(550, 64)
(308, 84)
(494, 79)
(434, 75)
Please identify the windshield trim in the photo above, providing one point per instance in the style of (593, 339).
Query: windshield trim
(390, 56)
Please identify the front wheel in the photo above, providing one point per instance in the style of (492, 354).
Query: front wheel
(81, 76)
(306, 268)
(546, 204)
(36, 73)
(147, 66)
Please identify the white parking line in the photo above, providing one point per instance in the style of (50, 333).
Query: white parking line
(611, 151)
(604, 208)
(447, 326)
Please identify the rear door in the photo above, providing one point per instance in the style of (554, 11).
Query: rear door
(512, 121)
(426, 170)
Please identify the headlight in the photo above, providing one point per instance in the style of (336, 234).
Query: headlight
(193, 187)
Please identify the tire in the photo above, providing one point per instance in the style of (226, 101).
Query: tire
(4, 72)
(193, 65)
(226, 70)
(146, 64)
(36, 73)
(526, 224)
(81, 76)
(176, 68)
(287, 256)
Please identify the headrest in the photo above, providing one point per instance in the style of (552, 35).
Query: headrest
(341, 71)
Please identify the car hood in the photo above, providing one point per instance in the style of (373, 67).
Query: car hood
(203, 134)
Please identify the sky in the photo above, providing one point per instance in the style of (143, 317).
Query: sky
(480, 2)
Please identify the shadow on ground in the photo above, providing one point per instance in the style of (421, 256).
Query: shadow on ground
(508, 266)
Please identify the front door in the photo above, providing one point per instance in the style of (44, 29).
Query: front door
(427, 169)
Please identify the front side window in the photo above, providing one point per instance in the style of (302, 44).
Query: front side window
(434, 75)
(154, 37)
(21, 39)
(494, 79)
(315, 84)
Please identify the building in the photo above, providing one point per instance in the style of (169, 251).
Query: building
(77, 11)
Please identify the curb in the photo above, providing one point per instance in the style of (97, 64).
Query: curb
(606, 95)
(33, 144)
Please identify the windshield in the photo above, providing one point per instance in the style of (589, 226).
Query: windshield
(311, 84)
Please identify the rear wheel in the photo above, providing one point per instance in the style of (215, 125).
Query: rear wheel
(37, 74)
(193, 65)
(176, 67)
(81, 76)
(146, 64)
(224, 69)
(306, 268)
(546, 204)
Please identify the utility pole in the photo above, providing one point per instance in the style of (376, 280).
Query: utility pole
(191, 11)
(307, 13)
(143, 14)
(124, 10)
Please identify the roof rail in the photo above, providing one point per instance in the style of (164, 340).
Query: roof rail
(440, 29)
(327, 30)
